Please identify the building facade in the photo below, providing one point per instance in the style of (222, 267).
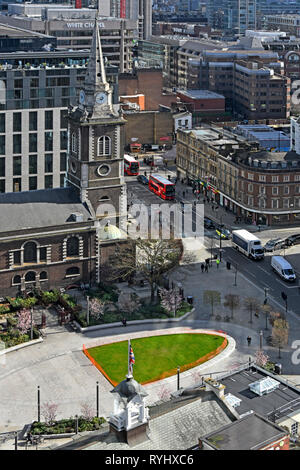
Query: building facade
(261, 186)
(36, 90)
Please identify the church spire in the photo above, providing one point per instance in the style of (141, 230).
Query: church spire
(96, 97)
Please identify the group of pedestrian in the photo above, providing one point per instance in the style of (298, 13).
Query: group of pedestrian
(204, 267)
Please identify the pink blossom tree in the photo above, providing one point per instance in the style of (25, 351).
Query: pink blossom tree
(96, 307)
(128, 304)
(196, 374)
(163, 392)
(49, 412)
(24, 320)
(261, 358)
(170, 299)
(87, 411)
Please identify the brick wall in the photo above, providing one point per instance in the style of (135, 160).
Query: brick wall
(148, 127)
(149, 83)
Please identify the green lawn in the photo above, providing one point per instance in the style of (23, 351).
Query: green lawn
(154, 355)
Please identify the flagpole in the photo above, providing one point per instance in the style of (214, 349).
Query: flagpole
(129, 357)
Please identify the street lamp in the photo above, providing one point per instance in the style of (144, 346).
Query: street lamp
(97, 398)
(88, 310)
(178, 378)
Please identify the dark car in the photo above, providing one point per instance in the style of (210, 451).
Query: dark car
(275, 244)
(293, 240)
(142, 179)
(208, 223)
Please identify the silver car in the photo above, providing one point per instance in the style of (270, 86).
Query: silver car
(275, 244)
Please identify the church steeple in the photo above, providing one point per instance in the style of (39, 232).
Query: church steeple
(96, 96)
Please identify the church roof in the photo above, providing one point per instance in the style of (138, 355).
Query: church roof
(129, 388)
(111, 232)
(40, 208)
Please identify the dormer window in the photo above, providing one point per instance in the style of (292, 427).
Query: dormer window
(104, 146)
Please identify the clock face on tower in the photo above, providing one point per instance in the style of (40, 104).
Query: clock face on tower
(81, 97)
(101, 98)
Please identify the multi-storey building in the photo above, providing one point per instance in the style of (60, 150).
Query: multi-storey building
(232, 15)
(284, 22)
(36, 90)
(251, 81)
(73, 29)
(262, 186)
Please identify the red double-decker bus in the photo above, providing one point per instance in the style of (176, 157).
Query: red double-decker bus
(131, 165)
(162, 187)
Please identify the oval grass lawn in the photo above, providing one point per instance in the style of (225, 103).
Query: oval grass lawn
(156, 357)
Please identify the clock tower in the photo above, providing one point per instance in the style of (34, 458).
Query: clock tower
(96, 142)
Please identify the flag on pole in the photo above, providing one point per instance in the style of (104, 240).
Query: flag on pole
(131, 356)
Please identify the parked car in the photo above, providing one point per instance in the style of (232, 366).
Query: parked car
(208, 223)
(142, 179)
(275, 244)
(293, 240)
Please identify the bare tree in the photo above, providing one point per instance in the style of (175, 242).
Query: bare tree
(252, 305)
(87, 411)
(280, 333)
(212, 298)
(170, 299)
(232, 301)
(151, 258)
(128, 303)
(196, 374)
(49, 412)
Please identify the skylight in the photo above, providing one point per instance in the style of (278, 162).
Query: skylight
(264, 386)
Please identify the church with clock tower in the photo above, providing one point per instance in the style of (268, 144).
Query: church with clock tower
(59, 237)
(96, 142)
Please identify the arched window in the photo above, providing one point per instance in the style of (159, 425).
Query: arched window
(30, 276)
(43, 276)
(104, 146)
(30, 252)
(74, 271)
(72, 246)
(16, 280)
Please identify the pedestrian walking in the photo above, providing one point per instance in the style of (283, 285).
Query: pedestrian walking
(202, 269)
(183, 193)
(249, 340)
(206, 268)
(124, 321)
(217, 262)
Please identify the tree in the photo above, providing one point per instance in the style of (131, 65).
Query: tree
(170, 299)
(280, 333)
(252, 305)
(261, 358)
(267, 311)
(87, 411)
(128, 303)
(49, 412)
(232, 301)
(150, 258)
(163, 392)
(196, 374)
(96, 307)
(24, 320)
(212, 298)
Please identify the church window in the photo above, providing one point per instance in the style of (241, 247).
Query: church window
(16, 280)
(74, 271)
(73, 247)
(30, 252)
(103, 170)
(104, 146)
(43, 276)
(30, 276)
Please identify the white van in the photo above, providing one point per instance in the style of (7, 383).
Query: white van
(282, 267)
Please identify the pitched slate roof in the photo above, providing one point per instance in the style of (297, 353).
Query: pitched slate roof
(38, 209)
